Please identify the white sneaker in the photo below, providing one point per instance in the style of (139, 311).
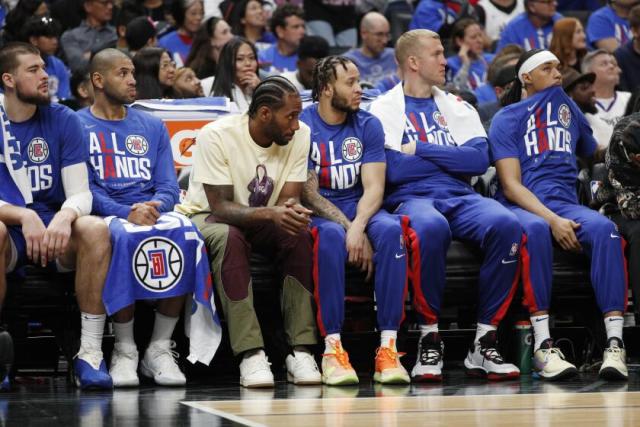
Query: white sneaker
(160, 364)
(302, 369)
(124, 366)
(428, 365)
(484, 360)
(255, 370)
(549, 362)
(614, 361)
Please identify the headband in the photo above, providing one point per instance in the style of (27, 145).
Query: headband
(535, 61)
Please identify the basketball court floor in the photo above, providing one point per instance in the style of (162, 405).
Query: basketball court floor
(458, 401)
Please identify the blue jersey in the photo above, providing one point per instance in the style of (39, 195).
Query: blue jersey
(440, 168)
(131, 161)
(272, 61)
(177, 46)
(388, 83)
(522, 32)
(545, 133)
(477, 69)
(431, 15)
(373, 70)
(605, 23)
(338, 152)
(49, 141)
(59, 77)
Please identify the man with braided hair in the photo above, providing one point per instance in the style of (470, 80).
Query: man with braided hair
(344, 189)
(244, 195)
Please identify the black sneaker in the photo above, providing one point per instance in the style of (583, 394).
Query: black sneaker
(6, 358)
(484, 360)
(428, 367)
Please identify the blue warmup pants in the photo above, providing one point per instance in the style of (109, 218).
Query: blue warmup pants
(471, 218)
(390, 260)
(600, 241)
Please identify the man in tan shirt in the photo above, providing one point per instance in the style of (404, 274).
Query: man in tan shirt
(244, 195)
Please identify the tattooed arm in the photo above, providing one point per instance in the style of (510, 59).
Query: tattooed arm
(319, 205)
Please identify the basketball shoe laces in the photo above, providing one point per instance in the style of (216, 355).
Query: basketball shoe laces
(167, 351)
(492, 354)
(430, 356)
(553, 351)
(614, 351)
(341, 356)
(388, 357)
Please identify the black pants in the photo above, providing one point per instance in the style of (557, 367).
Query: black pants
(630, 230)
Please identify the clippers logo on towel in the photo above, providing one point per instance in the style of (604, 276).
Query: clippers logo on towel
(158, 264)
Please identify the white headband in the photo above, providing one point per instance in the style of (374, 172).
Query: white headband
(535, 61)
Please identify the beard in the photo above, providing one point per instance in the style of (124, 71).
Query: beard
(117, 98)
(340, 103)
(35, 99)
(275, 134)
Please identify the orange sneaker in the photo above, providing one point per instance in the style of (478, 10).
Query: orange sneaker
(336, 369)
(389, 370)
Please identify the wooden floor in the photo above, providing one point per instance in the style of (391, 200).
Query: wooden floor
(553, 409)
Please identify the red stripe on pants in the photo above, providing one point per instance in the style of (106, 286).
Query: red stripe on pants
(507, 302)
(414, 273)
(529, 295)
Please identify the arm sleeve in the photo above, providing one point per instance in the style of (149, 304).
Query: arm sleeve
(403, 168)
(210, 164)
(598, 28)
(502, 142)
(103, 204)
(75, 182)
(472, 158)
(164, 177)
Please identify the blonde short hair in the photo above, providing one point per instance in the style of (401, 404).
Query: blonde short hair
(409, 43)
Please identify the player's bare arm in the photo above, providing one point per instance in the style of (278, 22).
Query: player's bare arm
(33, 228)
(510, 177)
(319, 205)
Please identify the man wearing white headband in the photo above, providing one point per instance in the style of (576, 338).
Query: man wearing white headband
(534, 144)
(435, 142)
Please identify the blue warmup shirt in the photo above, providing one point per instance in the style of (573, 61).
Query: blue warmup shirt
(545, 133)
(131, 161)
(440, 168)
(521, 31)
(373, 70)
(477, 69)
(338, 151)
(388, 83)
(272, 61)
(59, 77)
(431, 15)
(485, 93)
(604, 23)
(49, 141)
(176, 46)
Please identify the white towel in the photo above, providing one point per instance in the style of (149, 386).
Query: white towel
(463, 120)
(12, 147)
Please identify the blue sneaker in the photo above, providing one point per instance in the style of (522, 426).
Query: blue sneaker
(90, 371)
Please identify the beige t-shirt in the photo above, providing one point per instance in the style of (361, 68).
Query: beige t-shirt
(225, 154)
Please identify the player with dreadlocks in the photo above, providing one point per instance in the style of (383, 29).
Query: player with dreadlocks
(344, 188)
(244, 195)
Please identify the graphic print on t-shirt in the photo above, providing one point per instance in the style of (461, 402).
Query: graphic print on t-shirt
(260, 187)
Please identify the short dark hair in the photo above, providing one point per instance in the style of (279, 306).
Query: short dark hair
(178, 9)
(9, 56)
(313, 47)
(271, 93)
(280, 15)
(325, 72)
(77, 78)
(42, 26)
(459, 27)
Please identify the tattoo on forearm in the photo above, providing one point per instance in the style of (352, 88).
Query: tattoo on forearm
(220, 199)
(319, 205)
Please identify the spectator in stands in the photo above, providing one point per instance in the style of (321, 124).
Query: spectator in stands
(494, 15)
(69, 13)
(608, 27)
(18, 16)
(81, 89)
(532, 28)
(287, 23)
(186, 85)
(628, 55)
(78, 43)
(154, 9)
(188, 15)
(311, 50)
(127, 12)
(568, 42)
(43, 33)
(537, 174)
(208, 42)
(621, 191)
(140, 33)
(334, 21)
(579, 87)
(155, 73)
(56, 229)
(610, 103)
(488, 93)
(248, 20)
(501, 83)
(433, 15)
(374, 59)
(434, 139)
(264, 151)
(467, 70)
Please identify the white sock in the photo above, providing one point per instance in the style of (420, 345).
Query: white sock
(123, 333)
(92, 329)
(540, 326)
(613, 325)
(328, 348)
(163, 328)
(427, 329)
(483, 330)
(386, 337)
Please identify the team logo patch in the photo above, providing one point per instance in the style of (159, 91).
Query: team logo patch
(351, 149)
(158, 264)
(514, 249)
(564, 115)
(439, 119)
(137, 145)
(38, 150)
